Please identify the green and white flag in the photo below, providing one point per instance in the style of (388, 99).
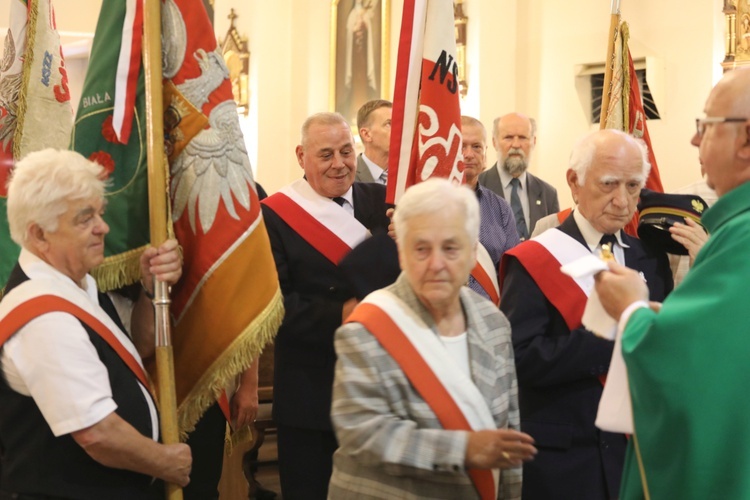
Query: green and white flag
(110, 130)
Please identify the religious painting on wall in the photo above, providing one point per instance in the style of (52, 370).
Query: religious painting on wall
(360, 39)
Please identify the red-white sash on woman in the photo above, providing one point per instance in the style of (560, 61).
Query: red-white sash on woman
(485, 274)
(449, 392)
(320, 221)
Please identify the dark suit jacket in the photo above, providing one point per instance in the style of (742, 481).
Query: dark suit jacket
(542, 196)
(363, 171)
(314, 292)
(559, 388)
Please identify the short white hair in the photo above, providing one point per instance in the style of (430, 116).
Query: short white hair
(322, 118)
(433, 196)
(42, 185)
(582, 155)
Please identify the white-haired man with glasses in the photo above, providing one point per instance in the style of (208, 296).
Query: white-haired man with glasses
(687, 360)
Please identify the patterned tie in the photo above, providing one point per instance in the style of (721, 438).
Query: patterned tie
(515, 204)
(610, 240)
(383, 179)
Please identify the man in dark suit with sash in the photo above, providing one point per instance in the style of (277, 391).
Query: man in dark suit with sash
(312, 224)
(561, 366)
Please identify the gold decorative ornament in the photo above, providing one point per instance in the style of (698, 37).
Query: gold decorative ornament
(460, 21)
(237, 58)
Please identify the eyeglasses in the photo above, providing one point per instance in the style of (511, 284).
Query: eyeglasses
(700, 123)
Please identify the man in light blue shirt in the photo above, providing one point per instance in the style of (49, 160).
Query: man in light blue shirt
(497, 227)
(374, 123)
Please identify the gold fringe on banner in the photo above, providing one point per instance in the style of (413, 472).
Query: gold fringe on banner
(625, 33)
(119, 270)
(29, 57)
(236, 359)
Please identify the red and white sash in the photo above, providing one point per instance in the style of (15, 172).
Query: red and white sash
(320, 221)
(485, 274)
(449, 392)
(542, 258)
(35, 297)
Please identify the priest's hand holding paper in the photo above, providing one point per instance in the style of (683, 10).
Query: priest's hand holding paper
(619, 287)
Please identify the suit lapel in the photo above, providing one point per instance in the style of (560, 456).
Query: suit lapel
(358, 199)
(493, 181)
(363, 171)
(363, 205)
(633, 253)
(536, 202)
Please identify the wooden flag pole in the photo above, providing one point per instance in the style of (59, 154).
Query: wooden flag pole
(614, 23)
(157, 197)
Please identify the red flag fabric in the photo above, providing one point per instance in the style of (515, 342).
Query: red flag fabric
(625, 111)
(638, 128)
(228, 304)
(426, 124)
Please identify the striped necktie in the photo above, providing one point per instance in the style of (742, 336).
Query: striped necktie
(383, 179)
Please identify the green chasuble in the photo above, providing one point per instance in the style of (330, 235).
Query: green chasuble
(689, 372)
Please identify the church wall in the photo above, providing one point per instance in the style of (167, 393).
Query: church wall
(523, 55)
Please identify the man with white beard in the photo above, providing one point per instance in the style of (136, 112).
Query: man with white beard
(514, 138)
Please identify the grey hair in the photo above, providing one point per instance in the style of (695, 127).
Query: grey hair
(324, 118)
(473, 122)
(496, 125)
(582, 155)
(42, 185)
(433, 196)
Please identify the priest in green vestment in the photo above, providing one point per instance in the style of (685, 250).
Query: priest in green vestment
(688, 362)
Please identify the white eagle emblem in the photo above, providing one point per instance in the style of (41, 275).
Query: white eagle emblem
(214, 166)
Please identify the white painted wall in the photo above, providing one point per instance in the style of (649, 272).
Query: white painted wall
(522, 56)
(680, 35)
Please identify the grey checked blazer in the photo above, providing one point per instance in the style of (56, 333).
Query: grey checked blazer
(391, 444)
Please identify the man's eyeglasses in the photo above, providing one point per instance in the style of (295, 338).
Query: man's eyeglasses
(700, 123)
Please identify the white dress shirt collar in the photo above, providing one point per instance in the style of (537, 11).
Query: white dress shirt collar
(591, 236)
(375, 169)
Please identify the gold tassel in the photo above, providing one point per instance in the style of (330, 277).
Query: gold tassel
(236, 359)
(119, 270)
(28, 60)
(625, 33)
